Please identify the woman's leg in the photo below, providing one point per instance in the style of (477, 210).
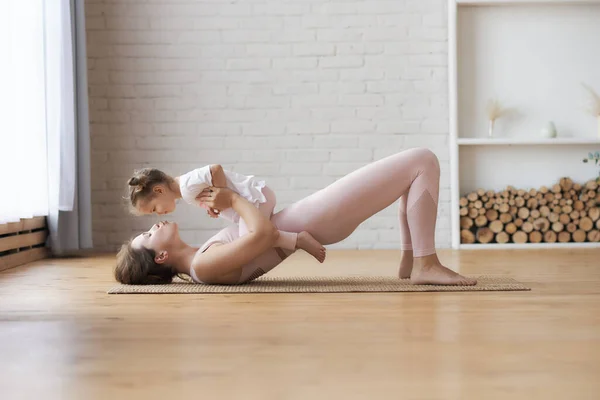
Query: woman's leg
(333, 213)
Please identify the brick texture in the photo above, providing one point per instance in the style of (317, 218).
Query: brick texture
(296, 92)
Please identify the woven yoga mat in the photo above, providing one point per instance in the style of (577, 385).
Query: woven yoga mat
(314, 284)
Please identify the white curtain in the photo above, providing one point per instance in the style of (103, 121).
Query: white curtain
(23, 159)
(45, 132)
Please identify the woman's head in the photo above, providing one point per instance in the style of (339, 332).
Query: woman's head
(145, 259)
(150, 191)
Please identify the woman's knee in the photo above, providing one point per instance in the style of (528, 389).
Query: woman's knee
(427, 158)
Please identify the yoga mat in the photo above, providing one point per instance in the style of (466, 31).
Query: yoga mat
(325, 284)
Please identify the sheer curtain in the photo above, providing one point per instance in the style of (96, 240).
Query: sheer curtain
(23, 159)
(44, 122)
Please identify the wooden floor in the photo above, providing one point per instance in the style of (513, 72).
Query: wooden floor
(63, 337)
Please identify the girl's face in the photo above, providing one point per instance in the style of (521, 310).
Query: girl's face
(162, 203)
(158, 238)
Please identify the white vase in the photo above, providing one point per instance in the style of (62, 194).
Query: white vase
(549, 131)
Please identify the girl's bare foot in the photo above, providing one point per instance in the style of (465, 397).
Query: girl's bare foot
(429, 271)
(406, 264)
(309, 244)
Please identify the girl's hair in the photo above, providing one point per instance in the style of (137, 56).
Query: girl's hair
(141, 184)
(137, 267)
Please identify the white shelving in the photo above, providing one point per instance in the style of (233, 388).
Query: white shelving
(511, 141)
(532, 55)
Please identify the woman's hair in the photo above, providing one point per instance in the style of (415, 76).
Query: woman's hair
(137, 267)
(141, 184)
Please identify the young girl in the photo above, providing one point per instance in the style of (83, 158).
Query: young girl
(152, 191)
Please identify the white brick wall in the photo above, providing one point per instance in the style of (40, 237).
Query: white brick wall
(297, 92)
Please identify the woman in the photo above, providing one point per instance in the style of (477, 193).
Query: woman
(329, 215)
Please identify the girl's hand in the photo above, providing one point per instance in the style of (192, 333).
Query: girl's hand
(217, 198)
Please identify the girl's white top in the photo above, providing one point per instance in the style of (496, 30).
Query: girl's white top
(193, 182)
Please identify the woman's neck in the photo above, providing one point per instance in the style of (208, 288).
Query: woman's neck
(181, 257)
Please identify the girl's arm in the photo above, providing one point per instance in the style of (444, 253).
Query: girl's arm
(218, 176)
(223, 263)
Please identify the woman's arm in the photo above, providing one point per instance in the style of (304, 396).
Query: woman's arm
(218, 175)
(223, 263)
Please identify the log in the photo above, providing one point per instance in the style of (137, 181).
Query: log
(491, 215)
(550, 237)
(584, 198)
(499, 200)
(491, 194)
(484, 199)
(553, 217)
(496, 207)
(566, 184)
(489, 205)
(533, 192)
(505, 218)
(582, 214)
(557, 227)
(481, 211)
(576, 187)
(466, 223)
(485, 235)
(544, 211)
(579, 205)
(473, 213)
(535, 237)
(594, 213)
(556, 209)
(523, 213)
(549, 197)
(558, 196)
(591, 204)
(532, 204)
(598, 224)
(579, 236)
(519, 237)
(504, 208)
(564, 219)
(464, 211)
(574, 215)
(519, 202)
(542, 202)
(503, 237)
(543, 190)
(535, 214)
(481, 221)
(480, 192)
(593, 236)
(511, 202)
(571, 227)
(556, 188)
(519, 222)
(496, 226)
(510, 228)
(566, 209)
(463, 202)
(562, 202)
(591, 185)
(541, 224)
(520, 193)
(527, 227)
(513, 211)
(472, 196)
(586, 224)
(564, 237)
(466, 236)
(478, 204)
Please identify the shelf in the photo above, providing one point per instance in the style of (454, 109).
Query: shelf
(516, 141)
(524, 2)
(497, 246)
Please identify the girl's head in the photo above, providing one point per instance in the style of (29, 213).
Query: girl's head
(152, 191)
(145, 258)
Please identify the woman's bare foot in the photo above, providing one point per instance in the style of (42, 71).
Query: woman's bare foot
(309, 244)
(429, 271)
(406, 264)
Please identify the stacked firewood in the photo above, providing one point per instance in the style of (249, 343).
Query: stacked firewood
(565, 212)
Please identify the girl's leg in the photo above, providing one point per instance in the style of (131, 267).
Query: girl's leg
(289, 241)
(333, 213)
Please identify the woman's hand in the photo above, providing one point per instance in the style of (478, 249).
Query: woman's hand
(217, 198)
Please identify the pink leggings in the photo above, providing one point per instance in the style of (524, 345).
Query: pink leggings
(333, 213)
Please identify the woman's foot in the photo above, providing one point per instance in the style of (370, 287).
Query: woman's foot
(309, 244)
(406, 264)
(429, 271)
